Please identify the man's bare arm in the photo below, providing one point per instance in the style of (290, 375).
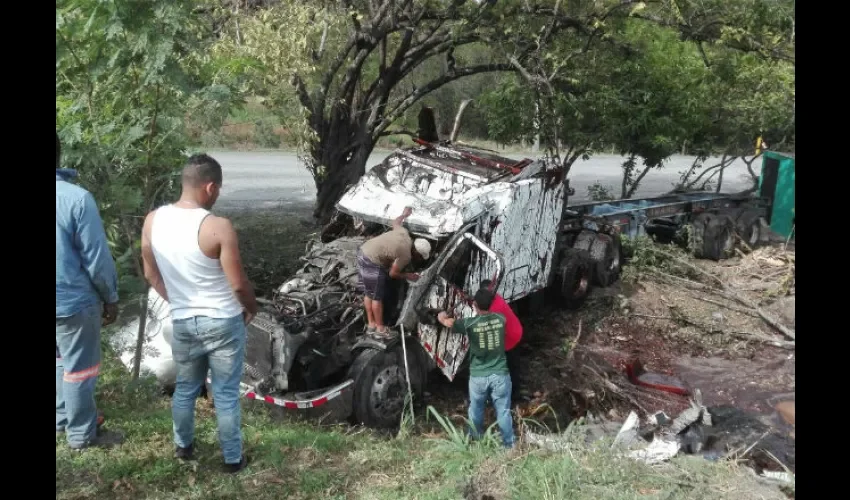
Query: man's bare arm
(231, 264)
(152, 274)
(397, 274)
(445, 320)
(400, 219)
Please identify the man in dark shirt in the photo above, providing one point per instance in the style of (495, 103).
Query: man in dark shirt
(489, 376)
(513, 334)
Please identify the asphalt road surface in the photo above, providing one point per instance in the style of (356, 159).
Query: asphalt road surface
(278, 179)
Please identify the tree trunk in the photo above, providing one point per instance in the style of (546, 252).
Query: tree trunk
(720, 179)
(341, 174)
(140, 336)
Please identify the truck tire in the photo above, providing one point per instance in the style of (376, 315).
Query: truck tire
(662, 230)
(380, 386)
(605, 254)
(575, 278)
(748, 226)
(719, 238)
(696, 235)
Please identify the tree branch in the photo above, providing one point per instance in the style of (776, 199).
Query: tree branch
(433, 85)
(301, 90)
(397, 132)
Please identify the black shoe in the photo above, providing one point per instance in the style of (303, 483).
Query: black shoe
(234, 468)
(104, 439)
(186, 453)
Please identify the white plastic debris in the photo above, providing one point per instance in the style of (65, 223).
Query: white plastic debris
(659, 450)
(552, 442)
(785, 477)
(658, 418)
(628, 435)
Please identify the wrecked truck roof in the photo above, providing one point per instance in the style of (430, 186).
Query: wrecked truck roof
(443, 185)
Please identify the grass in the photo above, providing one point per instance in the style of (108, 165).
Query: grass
(304, 460)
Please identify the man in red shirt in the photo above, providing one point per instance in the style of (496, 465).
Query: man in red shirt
(513, 334)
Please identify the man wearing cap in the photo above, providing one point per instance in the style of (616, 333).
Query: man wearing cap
(384, 257)
(513, 334)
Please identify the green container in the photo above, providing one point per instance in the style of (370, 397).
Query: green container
(777, 185)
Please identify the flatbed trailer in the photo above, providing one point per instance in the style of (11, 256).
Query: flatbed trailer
(708, 224)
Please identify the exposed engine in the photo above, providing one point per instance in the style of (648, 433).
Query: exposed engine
(303, 339)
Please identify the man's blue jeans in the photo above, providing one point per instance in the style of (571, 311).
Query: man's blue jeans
(77, 368)
(202, 344)
(497, 388)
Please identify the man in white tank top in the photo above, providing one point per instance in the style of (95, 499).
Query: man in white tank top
(192, 260)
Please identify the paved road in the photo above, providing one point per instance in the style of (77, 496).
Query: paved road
(261, 179)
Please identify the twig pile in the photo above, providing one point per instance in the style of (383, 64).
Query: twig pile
(768, 270)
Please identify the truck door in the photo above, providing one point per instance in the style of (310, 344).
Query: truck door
(466, 264)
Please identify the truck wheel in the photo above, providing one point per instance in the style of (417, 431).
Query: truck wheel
(719, 238)
(663, 230)
(696, 235)
(576, 277)
(748, 226)
(380, 386)
(605, 254)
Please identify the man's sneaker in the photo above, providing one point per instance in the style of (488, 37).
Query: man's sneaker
(186, 453)
(234, 468)
(386, 334)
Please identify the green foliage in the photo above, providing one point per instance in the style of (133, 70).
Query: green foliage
(599, 192)
(645, 255)
(128, 72)
(653, 85)
(265, 134)
(510, 112)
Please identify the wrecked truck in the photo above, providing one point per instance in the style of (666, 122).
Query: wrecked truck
(486, 217)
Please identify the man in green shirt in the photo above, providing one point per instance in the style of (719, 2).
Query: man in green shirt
(489, 376)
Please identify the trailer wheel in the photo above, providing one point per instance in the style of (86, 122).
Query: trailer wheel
(605, 253)
(719, 238)
(696, 235)
(576, 277)
(380, 386)
(663, 230)
(748, 225)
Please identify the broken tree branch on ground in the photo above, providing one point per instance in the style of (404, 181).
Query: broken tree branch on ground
(678, 317)
(728, 294)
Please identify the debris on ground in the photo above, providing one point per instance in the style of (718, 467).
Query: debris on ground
(712, 433)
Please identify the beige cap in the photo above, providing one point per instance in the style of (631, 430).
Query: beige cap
(422, 247)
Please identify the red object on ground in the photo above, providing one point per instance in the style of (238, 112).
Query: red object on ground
(638, 376)
(513, 328)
